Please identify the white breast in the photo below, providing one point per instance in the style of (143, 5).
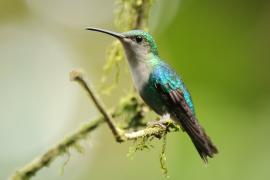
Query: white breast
(140, 74)
(140, 69)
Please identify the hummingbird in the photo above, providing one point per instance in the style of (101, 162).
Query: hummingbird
(160, 87)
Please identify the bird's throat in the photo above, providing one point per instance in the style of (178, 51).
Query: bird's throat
(140, 68)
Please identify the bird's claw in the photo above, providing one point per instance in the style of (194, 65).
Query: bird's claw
(161, 123)
(156, 123)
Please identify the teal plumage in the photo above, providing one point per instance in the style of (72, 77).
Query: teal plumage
(163, 74)
(166, 93)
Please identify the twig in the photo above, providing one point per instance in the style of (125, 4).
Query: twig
(141, 20)
(149, 131)
(79, 76)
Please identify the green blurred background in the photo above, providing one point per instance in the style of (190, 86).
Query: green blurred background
(221, 49)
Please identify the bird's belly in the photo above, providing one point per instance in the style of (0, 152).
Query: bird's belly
(153, 99)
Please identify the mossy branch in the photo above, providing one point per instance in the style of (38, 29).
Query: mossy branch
(62, 147)
(29, 170)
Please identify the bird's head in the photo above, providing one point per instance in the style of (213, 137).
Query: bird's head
(137, 43)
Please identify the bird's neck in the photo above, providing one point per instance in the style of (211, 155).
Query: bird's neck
(141, 68)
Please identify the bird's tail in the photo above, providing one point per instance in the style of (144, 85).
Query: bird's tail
(202, 142)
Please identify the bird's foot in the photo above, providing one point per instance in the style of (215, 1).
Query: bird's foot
(164, 120)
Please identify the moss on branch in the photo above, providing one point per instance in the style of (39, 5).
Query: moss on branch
(29, 170)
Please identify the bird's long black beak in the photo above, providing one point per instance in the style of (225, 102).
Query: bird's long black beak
(114, 34)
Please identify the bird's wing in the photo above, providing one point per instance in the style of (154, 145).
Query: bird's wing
(175, 96)
(172, 90)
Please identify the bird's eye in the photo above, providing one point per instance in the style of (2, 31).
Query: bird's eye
(138, 39)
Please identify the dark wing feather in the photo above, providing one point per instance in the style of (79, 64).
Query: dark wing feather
(179, 108)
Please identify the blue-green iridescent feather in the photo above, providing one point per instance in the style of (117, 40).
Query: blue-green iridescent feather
(162, 74)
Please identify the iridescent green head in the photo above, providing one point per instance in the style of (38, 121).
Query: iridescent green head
(141, 39)
(136, 42)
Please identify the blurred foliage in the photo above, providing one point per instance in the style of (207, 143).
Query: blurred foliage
(10, 10)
